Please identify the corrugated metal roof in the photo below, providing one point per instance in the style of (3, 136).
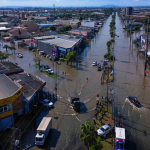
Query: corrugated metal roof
(7, 87)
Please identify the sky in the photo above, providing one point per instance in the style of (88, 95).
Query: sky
(64, 3)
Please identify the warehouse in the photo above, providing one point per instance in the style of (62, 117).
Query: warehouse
(60, 45)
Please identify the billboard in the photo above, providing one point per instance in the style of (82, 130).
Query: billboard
(54, 51)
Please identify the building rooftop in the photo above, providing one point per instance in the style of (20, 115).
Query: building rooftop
(7, 87)
(30, 83)
(9, 68)
(4, 29)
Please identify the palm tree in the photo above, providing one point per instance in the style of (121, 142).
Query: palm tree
(3, 56)
(37, 60)
(13, 48)
(70, 56)
(87, 135)
(6, 46)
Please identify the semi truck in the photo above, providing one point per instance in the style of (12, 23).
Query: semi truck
(43, 130)
(120, 138)
(75, 101)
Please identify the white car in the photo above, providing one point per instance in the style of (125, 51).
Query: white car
(20, 55)
(50, 71)
(105, 129)
(94, 63)
(47, 103)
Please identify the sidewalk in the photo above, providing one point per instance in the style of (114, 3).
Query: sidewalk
(106, 119)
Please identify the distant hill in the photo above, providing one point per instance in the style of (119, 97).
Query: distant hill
(109, 6)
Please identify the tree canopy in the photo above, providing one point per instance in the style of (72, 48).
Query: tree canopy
(88, 135)
(52, 28)
(37, 60)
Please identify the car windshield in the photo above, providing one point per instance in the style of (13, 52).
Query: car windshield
(120, 145)
(102, 129)
(38, 139)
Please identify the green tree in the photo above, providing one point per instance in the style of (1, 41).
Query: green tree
(37, 60)
(87, 135)
(108, 43)
(3, 56)
(70, 56)
(68, 28)
(52, 28)
(6, 46)
(97, 145)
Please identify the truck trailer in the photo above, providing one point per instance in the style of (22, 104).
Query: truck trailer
(43, 130)
(120, 138)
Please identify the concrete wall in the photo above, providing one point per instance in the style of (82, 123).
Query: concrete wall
(17, 104)
(46, 47)
(32, 27)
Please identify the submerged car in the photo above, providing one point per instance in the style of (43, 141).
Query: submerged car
(99, 68)
(134, 101)
(20, 55)
(50, 71)
(94, 63)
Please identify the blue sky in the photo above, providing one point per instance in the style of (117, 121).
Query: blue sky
(74, 2)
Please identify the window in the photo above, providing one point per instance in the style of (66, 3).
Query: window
(5, 108)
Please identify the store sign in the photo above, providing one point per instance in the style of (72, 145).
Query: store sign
(54, 51)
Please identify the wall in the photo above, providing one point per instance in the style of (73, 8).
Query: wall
(33, 27)
(46, 47)
(17, 104)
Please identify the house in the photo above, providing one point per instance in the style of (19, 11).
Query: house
(88, 24)
(86, 32)
(18, 33)
(10, 101)
(30, 27)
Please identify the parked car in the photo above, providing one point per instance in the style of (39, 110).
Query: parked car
(47, 103)
(20, 55)
(47, 55)
(41, 52)
(94, 63)
(105, 129)
(50, 71)
(46, 67)
(99, 68)
(55, 58)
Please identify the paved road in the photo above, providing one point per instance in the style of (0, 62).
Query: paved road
(128, 81)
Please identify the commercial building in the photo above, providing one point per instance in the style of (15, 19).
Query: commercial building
(32, 89)
(10, 101)
(60, 45)
(129, 11)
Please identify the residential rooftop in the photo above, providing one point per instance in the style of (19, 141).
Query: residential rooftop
(7, 87)
(9, 68)
(30, 83)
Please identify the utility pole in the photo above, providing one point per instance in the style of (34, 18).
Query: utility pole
(146, 48)
(56, 82)
(112, 100)
(107, 94)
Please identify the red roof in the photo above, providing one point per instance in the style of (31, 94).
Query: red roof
(13, 30)
(27, 42)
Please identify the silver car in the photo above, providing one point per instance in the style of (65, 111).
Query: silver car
(105, 129)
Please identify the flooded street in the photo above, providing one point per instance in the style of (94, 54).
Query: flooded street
(129, 80)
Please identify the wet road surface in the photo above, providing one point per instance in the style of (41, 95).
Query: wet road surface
(129, 80)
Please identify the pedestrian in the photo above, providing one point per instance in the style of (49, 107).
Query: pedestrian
(100, 119)
(111, 139)
(105, 137)
(62, 73)
(96, 108)
(86, 79)
(29, 64)
(96, 114)
(65, 74)
(94, 121)
(102, 115)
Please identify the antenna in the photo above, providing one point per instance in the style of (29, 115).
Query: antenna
(54, 9)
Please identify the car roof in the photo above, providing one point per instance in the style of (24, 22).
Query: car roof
(105, 126)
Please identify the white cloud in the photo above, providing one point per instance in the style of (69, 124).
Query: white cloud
(136, 0)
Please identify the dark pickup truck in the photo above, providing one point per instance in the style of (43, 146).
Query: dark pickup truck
(75, 101)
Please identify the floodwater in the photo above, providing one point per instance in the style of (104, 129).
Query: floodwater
(129, 80)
